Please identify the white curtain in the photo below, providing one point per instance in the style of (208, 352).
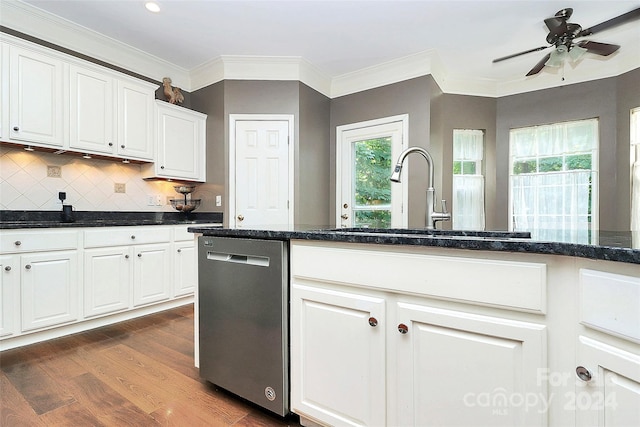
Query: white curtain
(468, 190)
(635, 170)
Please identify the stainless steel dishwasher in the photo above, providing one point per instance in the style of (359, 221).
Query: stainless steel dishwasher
(243, 304)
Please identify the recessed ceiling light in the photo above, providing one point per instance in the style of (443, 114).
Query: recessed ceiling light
(152, 6)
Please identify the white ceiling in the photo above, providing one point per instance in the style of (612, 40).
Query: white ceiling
(340, 37)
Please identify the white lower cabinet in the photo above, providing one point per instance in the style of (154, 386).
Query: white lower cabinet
(49, 289)
(185, 268)
(608, 391)
(9, 298)
(456, 368)
(107, 280)
(151, 274)
(338, 356)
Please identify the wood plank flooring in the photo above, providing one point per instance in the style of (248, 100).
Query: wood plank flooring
(135, 373)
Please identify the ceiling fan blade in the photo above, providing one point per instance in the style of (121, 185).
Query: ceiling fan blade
(603, 49)
(537, 49)
(539, 66)
(618, 20)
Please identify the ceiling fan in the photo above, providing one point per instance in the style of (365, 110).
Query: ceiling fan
(562, 34)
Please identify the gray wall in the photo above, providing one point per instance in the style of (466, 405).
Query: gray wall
(411, 97)
(609, 100)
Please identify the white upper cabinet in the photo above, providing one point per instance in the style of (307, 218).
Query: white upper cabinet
(91, 110)
(110, 114)
(36, 97)
(180, 144)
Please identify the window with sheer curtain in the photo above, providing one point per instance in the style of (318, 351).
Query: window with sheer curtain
(635, 169)
(468, 180)
(554, 180)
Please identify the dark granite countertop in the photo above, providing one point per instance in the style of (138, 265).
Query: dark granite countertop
(53, 219)
(613, 246)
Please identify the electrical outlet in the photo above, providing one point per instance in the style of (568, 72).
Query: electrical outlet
(119, 188)
(218, 200)
(54, 171)
(151, 200)
(159, 200)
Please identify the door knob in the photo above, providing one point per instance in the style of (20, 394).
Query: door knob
(240, 217)
(373, 321)
(402, 328)
(583, 373)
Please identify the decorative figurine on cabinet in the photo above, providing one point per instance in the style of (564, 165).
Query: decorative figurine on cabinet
(172, 94)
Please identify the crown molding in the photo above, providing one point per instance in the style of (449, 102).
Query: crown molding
(37, 23)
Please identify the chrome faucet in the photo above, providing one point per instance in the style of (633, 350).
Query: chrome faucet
(432, 215)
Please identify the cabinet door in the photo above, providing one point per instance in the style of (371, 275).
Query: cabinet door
(152, 274)
(36, 98)
(455, 368)
(180, 143)
(49, 289)
(185, 268)
(611, 396)
(9, 287)
(135, 121)
(338, 356)
(91, 110)
(107, 280)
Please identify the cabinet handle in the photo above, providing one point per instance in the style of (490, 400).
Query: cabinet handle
(17, 243)
(27, 267)
(402, 328)
(122, 146)
(179, 250)
(133, 237)
(139, 255)
(583, 373)
(7, 268)
(126, 257)
(16, 128)
(373, 321)
(111, 144)
(161, 167)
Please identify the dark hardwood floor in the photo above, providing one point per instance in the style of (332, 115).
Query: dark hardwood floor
(135, 373)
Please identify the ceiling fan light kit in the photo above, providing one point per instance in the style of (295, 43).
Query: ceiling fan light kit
(562, 34)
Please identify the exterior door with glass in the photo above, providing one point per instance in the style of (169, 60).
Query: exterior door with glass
(366, 153)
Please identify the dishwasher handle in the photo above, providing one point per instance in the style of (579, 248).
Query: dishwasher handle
(238, 258)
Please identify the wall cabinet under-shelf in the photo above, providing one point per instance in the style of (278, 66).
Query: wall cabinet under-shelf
(180, 136)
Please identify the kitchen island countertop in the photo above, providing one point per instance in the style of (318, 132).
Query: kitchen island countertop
(612, 246)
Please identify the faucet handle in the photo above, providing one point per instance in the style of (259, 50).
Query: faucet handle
(444, 206)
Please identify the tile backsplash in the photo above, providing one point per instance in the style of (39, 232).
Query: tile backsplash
(32, 180)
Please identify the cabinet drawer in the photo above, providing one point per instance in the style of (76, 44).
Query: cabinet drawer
(38, 240)
(116, 236)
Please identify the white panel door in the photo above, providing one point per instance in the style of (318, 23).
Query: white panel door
(107, 280)
(36, 101)
(458, 369)
(49, 289)
(262, 174)
(609, 394)
(338, 358)
(91, 111)
(152, 274)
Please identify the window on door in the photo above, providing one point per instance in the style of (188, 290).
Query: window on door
(468, 180)
(554, 181)
(366, 154)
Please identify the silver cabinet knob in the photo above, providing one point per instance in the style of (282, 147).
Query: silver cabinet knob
(16, 128)
(402, 328)
(240, 217)
(344, 216)
(17, 243)
(126, 257)
(27, 267)
(139, 255)
(179, 250)
(122, 146)
(7, 268)
(111, 144)
(133, 237)
(373, 321)
(583, 373)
